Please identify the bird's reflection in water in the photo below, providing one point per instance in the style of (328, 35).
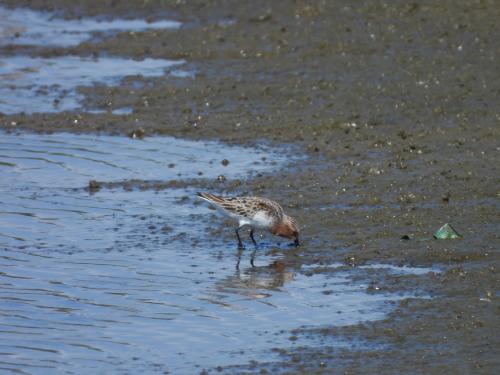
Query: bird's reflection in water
(254, 281)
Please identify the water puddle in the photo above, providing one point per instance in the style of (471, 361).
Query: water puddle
(116, 111)
(130, 281)
(37, 85)
(387, 268)
(27, 27)
(123, 111)
(31, 85)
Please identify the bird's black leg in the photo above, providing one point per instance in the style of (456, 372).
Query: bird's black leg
(240, 244)
(239, 259)
(296, 242)
(253, 239)
(252, 258)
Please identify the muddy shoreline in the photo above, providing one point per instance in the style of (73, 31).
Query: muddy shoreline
(396, 107)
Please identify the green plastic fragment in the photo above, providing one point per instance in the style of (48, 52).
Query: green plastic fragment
(446, 232)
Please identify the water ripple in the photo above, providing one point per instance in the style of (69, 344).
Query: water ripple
(126, 281)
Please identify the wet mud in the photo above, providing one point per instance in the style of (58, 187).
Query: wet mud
(395, 106)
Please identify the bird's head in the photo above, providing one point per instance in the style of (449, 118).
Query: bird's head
(287, 228)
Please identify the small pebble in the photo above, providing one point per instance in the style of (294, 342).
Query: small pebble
(137, 133)
(94, 185)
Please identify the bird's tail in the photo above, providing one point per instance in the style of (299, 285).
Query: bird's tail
(211, 198)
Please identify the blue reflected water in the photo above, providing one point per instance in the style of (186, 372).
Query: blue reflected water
(39, 85)
(24, 26)
(130, 281)
(36, 84)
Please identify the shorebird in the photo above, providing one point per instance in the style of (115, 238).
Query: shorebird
(256, 212)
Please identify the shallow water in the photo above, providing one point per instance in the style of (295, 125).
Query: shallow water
(40, 85)
(116, 111)
(28, 27)
(130, 280)
(35, 84)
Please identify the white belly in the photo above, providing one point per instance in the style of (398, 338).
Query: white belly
(260, 220)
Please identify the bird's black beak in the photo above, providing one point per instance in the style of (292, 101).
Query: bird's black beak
(296, 242)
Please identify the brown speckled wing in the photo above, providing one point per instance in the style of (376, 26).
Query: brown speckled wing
(245, 206)
(237, 206)
(263, 204)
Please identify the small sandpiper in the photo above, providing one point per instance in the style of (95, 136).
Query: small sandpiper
(256, 212)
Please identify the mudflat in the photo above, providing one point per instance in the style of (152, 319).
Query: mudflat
(396, 107)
